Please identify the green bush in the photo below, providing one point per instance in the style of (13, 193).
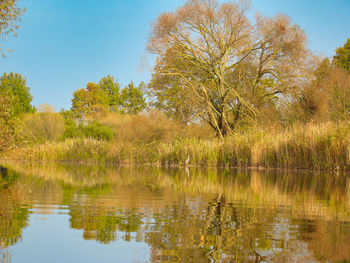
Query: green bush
(72, 130)
(97, 131)
(92, 129)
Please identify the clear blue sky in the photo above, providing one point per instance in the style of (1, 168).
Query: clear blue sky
(64, 44)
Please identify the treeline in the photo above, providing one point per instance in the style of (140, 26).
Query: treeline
(102, 111)
(101, 108)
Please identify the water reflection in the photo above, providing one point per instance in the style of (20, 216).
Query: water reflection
(200, 215)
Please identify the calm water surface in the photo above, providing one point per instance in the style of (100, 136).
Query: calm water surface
(66, 213)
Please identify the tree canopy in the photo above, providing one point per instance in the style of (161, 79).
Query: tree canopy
(342, 57)
(15, 86)
(89, 100)
(106, 96)
(15, 100)
(10, 13)
(111, 88)
(132, 99)
(228, 68)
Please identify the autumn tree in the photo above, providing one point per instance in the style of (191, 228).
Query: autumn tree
(10, 13)
(228, 68)
(170, 95)
(89, 100)
(313, 101)
(327, 97)
(107, 96)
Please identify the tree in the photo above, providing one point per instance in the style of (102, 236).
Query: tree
(169, 96)
(342, 57)
(8, 121)
(313, 102)
(132, 99)
(111, 88)
(15, 85)
(89, 100)
(97, 97)
(106, 96)
(15, 100)
(328, 95)
(228, 68)
(338, 85)
(10, 13)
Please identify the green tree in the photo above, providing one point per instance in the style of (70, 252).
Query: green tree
(169, 96)
(106, 96)
(10, 13)
(228, 68)
(111, 88)
(342, 57)
(8, 121)
(15, 100)
(15, 85)
(133, 99)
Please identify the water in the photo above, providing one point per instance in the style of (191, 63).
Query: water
(65, 213)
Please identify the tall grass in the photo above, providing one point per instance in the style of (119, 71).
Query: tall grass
(312, 146)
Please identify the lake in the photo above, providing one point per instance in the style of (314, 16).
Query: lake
(76, 213)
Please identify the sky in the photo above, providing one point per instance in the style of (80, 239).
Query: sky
(64, 44)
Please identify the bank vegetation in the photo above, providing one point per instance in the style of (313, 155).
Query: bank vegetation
(225, 91)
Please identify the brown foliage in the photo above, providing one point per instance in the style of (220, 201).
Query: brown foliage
(328, 97)
(150, 127)
(228, 68)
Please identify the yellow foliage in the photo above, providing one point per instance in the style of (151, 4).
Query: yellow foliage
(42, 127)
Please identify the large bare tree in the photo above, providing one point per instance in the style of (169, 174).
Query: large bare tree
(227, 67)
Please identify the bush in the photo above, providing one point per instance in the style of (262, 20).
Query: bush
(97, 131)
(42, 127)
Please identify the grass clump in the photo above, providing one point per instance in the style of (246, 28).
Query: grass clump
(42, 127)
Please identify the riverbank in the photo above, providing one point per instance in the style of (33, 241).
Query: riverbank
(313, 146)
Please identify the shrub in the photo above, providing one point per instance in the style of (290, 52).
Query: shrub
(42, 127)
(97, 131)
(151, 127)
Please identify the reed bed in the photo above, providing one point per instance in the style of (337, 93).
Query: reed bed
(313, 146)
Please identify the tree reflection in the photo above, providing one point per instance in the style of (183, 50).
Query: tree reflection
(101, 224)
(205, 215)
(13, 217)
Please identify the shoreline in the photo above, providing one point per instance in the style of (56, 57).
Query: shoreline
(316, 147)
